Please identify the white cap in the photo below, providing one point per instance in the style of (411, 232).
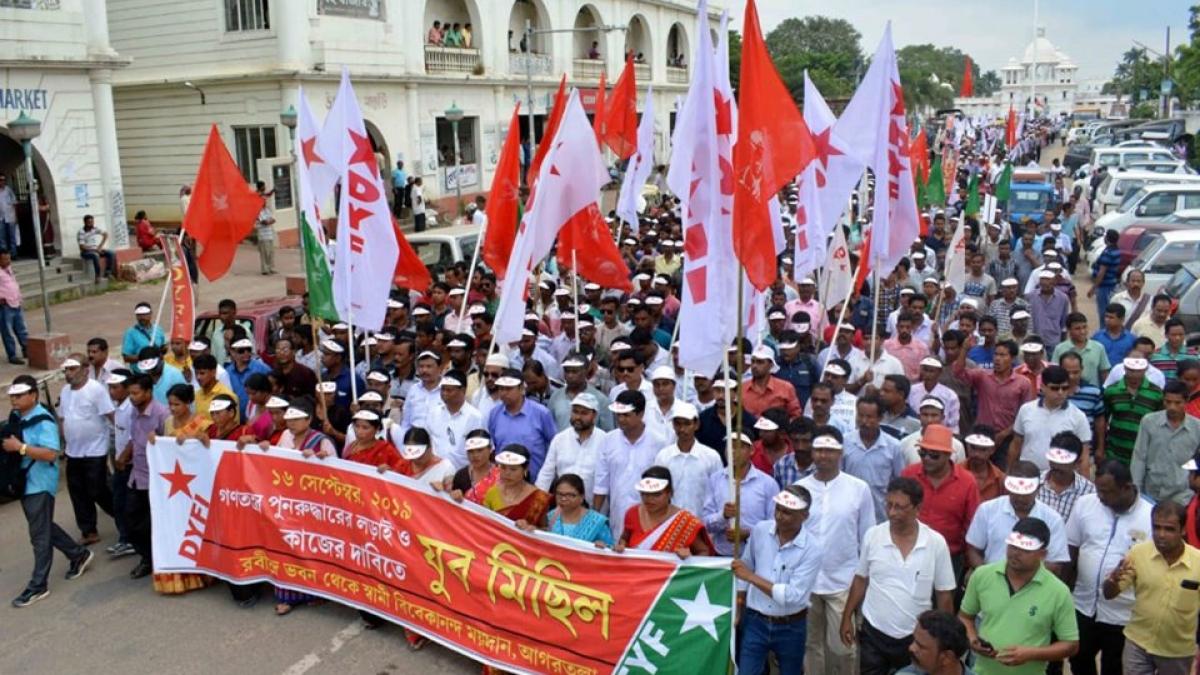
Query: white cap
(142, 309)
(413, 451)
(420, 311)
(116, 378)
(618, 408)
(906, 291)
(826, 441)
(1055, 266)
(370, 397)
(370, 341)
(457, 290)
(653, 300)
(1061, 456)
(295, 414)
(919, 255)
(836, 370)
(476, 442)
(394, 304)
(376, 376)
(641, 276)
(367, 415)
(980, 440)
(574, 361)
(970, 302)
(743, 438)
(197, 346)
(790, 501)
(1024, 541)
(808, 281)
(1019, 315)
(776, 315)
(509, 458)
(243, 343)
(591, 286)
(217, 405)
(1032, 348)
(562, 292)
(450, 382)
(1046, 274)
(932, 402)
(652, 485)
(1021, 486)
(1009, 282)
(327, 387)
(764, 424)
(586, 400)
(384, 336)
(507, 381)
(1190, 465)
(341, 325)
(497, 360)
(333, 346)
(663, 373)
(1135, 363)
(276, 402)
(71, 363)
(147, 364)
(932, 362)
(685, 410)
(19, 388)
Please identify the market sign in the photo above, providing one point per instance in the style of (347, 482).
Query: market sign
(355, 9)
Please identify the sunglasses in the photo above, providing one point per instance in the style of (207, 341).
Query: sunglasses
(242, 350)
(929, 454)
(626, 369)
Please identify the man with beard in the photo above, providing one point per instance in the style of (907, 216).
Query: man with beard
(575, 449)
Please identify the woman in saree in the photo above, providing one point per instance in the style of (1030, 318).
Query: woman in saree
(276, 407)
(368, 448)
(513, 496)
(572, 517)
(658, 525)
(258, 416)
(479, 475)
(225, 427)
(183, 425)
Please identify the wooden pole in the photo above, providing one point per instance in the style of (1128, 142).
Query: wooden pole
(737, 420)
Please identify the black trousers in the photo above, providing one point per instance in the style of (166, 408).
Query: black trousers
(1105, 639)
(45, 535)
(87, 483)
(880, 653)
(137, 521)
(419, 222)
(120, 495)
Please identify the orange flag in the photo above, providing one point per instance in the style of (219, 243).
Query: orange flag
(968, 81)
(598, 114)
(504, 200)
(596, 253)
(774, 145)
(222, 210)
(620, 114)
(1010, 129)
(548, 132)
(918, 156)
(410, 272)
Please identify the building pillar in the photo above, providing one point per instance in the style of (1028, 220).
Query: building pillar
(95, 22)
(108, 158)
(413, 151)
(291, 35)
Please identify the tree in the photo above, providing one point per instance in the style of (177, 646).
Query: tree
(932, 75)
(987, 84)
(1186, 70)
(735, 58)
(1136, 73)
(829, 49)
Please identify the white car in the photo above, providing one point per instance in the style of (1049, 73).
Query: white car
(1120, 182)
(1164, 255)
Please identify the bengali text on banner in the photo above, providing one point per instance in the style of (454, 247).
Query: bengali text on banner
(458, 574)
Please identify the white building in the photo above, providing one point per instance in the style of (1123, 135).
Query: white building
(57, 66)
(239, 63)
(1043, 81)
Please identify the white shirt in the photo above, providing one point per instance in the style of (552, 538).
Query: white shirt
(908, 445)
(8, 203)
(567, 455)
(1156, 376)
(1037, 424)
(83, 413)
(994, 520)
(438, 472)
(789, 568)
(690, 472)
(841, 513)
(418, 200)
(619, 467)
(885, 365)
(122, 418)
(645, 387)
(417, 406)
(857, 359)
(1103, 538)
(105, 370)
(900, 588)
(662, 421)
(448, 431)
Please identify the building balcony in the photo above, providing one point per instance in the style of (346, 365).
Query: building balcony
(641, 71)
(588, 69)
(677, 75)
(452, 60)
(535, 65)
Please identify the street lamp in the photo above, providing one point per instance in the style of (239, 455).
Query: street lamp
(288, 119)
(455, 115)
(23, 130)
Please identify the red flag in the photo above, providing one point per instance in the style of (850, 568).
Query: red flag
(864, 263)
(504, 200)
(968, 81)
(1010, 129)
(598, 113)
(596, 253)
(222, 210)
(918, 154)
(548, 131)
(774, 145)
(620, 114)
(410, 272)
(183, 306)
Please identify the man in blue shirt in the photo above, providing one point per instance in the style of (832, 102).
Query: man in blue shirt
(399, 183)
(1106, 271)
(164, 375)
(520, 420)
(39, 446)
(1114, 337)
(141, 334)
(243, 364)
(333, 358)
(797, 368)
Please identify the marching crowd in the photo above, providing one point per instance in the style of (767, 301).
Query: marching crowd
(942, 479)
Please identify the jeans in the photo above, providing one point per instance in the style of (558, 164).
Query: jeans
(120, 500)
(137, 521)
(266, 255)
(45, 535)
(110, 261)
(1103, 297)
(12, 322)
(880, 653)
(8, 237)
(87, 483)
(760, 637)
(1105, 639)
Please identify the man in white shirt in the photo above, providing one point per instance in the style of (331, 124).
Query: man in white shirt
(99, 366)
(87, 413)
(91, 242)
(122, 421)
(690, 462)
(930, 385)
(8, 217)
(625, 453)
(660, 411)
(576, 448)
(842, 512)
(264, 231)
(995, 518)
(450, 420)
(425, 395)
(755, 504)
(903, 564)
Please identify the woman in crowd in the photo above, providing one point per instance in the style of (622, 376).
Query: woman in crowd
(513, 496)
(276, 408)
(258, 417)
(479, 475)
(572, 517)
(427, 467)
(225, 426)
(658, 525)
(368, 448)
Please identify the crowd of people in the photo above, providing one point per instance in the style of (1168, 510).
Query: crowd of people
(931, 479)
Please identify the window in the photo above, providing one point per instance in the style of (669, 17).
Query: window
(466, 142)
(253, 144)
(1191, 201)
(243, 15)
(1157, 205)
(1172, 257)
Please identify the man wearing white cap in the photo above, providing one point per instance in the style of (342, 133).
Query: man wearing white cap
(1040, 419)
(690, 462)
(576, 449)
(870, 454)
(528, 348)
(576, 371)
(1063, 484)
(141, 334)
(624, 455)
(427, 393)
(660, 411)
(1002, 308)
(520, 419)
(807, 302)
(843, 348)
(755, 505)
(451, 419)
(764, 391)
(488, 396)
(333, 362)
(978, 284)
(611, 327)
(242, 365)
(86, 412)
(1166, 440)
(1048, 310)
(903, 344)
(930, 385)
(995, 518)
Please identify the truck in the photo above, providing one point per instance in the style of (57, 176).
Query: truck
(1029, 196)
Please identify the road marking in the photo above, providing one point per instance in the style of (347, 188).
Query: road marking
(339, 640)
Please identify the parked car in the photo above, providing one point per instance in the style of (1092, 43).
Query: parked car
(1151, 202)
(1165, 254)
(1120, 182)
(1137, 236)
(1184, 289)
(1123, 156)
(260, 318)
(439, 248)
(1164, 166)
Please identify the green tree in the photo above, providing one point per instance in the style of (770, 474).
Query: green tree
(1136, 73)
(931, 75)
(735, 58)
(987, 84)
(1186, 69)
(829, 49)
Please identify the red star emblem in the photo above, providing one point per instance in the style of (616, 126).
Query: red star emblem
(363, 152)
(179, 481)
(309, 148)
(897, 99)
(724, 114)
(825, 149)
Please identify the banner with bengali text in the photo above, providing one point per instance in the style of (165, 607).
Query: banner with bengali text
(183, 305)
(456, 573)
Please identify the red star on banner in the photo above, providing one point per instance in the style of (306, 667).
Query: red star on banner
(179, 481)
(363, 152)
(825, 149)
(309, 149)
(897, 100)
(724, 114)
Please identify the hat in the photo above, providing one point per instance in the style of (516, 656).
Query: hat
(421, 310)
(1135, 363)
(497, 360)
(764, 424)
(116, 378)
(562, 292)
(368, 415)
(591, 286)
(1056, 226)
(776, 315)
(142, 308)
(427, 354)
(453, 378)
(1057, 267)
(510, 458)
(980, 440)
(919, 255)
(807, 281)
(71, 363)
(790, 501)
(457, 290)
(827, 441)
(19, 388)
(341, 325)
(1021, 486)
(1024, 542)
(327, 387)
(970, 302)
(197, 346)
(938, 438)
(652, 485)
(370, 341)
(295, 414)
(663, 373)
(1046, 274)
(1009, 282)
(660, 280)
(394, 304)
(508, 380)
(932, 362)
(836, 370)
(932, 280)
(378, 376)
(476, 310)
(1051, 253)
(370, 397)
(620, 408)
(586, 400)
(146, 365)
(641, 276)
(654, 300)
(333, 346)
(413, 451)
(384, 336)
(476, 442)
(219, 404)
(906, 291)
(685, 410)
(932, 402)
(1061, 456)
(244, 343)
(619, 345)
(276, 402)
(1019, 315)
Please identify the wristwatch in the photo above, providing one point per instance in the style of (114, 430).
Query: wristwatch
(23, 448)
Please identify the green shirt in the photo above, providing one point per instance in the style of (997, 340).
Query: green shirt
(1168, 361)
(1125, 412)
(1093, 355)
(1027, 618)
(1159, 455)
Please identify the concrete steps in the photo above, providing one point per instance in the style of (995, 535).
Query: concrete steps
(66, 279)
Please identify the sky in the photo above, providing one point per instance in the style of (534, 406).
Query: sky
(1094, 33)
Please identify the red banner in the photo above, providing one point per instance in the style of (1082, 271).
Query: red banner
(183, 305)
(458, 574)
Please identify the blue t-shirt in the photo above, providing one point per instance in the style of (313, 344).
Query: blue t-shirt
(399, 178)
(171, 376)
(138, 337)
(43, 476)
(237, 380)
(1116, 348)
(1111, 260)
(984, 357)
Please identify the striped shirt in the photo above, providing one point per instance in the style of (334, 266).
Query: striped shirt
(1064, 501)
(1168, 362)
(1090, 400)
(1125, 412)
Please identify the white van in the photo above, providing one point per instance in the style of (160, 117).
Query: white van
(1151, 203)
(1120, 183)
(1113, 157)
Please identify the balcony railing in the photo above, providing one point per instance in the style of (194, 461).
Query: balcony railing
(676, 75)
(452, 60)
(532, 64)
(588, 69)
(30, 4)
(642, 72)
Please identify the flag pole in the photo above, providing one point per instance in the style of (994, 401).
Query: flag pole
(462, 312)
(575, 290)
(737, 420)
(841, 316)
(162, 301)
(728, 425)
(875, 316)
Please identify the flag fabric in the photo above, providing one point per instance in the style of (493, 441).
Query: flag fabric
(548, 131)
(956, 256)
(640, 164)
(968, 80)
(183, 300)
(597, 257)
(1010, 129)
(864, 263)
(949, 170)
(318, 278)
(598, 111)
(410, 272)
(367, 249)
(504, 200)
(839, 278)
(620, 114)
(972, 206)
(918, 154)
(702, 145)
(222, 210)
(1004, 183)
(570, 181)
(774, 146)
(874, 123)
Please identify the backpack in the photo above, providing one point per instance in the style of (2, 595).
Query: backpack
(13, 470)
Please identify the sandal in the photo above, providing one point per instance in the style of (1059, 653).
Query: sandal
(283, 609)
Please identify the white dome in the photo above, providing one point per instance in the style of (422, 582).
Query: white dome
(1045, 50)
